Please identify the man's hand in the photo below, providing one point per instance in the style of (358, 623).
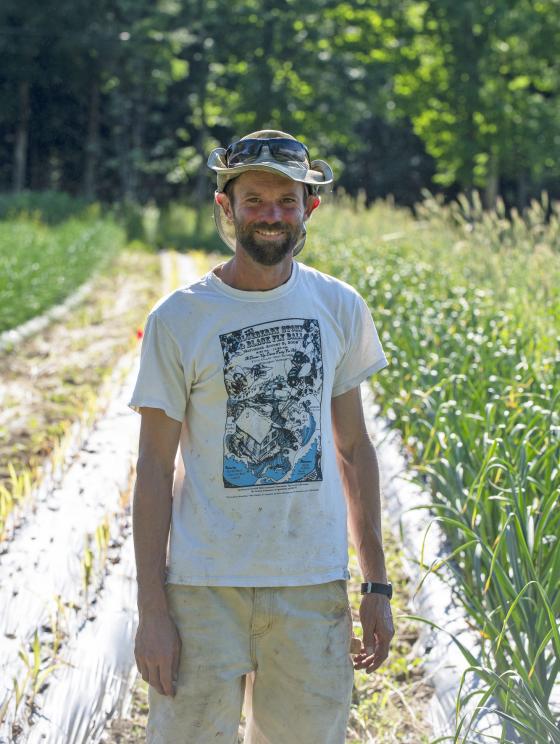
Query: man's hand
(157, 652)
(377, 626)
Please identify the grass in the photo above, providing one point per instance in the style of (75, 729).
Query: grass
(50, 207)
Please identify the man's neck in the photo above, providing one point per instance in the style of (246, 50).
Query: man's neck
(242, 272)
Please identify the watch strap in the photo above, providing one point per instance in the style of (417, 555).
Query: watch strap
(373, 587)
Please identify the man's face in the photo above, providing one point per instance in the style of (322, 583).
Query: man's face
(268, 212)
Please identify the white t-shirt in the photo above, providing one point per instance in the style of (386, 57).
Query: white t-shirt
(251, 376)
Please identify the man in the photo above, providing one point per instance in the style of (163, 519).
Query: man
(254, 370)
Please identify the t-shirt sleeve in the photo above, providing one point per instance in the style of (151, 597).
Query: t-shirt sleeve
(161, 380)
(364, 354)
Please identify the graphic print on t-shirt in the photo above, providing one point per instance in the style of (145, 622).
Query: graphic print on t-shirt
(273, 374)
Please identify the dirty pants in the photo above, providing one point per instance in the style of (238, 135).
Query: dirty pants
(286, 650)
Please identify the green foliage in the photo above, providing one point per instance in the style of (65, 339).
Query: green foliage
(130, 99)
(185, 228)
(42, 264)
(480, 83)
(51, 207)
(468, 309)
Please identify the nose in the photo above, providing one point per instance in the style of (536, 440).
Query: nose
(271, 212)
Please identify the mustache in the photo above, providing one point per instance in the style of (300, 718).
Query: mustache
(269, 226)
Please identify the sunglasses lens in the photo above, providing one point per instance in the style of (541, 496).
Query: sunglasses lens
(285, 149)
(281, 149)
(243, 151)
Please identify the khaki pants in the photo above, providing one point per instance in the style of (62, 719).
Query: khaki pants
(285, 649)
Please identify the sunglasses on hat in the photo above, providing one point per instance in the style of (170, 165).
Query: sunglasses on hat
(281, 149)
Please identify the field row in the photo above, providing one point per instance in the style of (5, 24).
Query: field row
(472, 333)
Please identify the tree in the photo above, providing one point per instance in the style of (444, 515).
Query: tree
(480, 82)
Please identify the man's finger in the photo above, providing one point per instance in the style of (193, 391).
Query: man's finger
(166, 680)
(381, 653)
(175, 666)
(365, 657)
(154, 678)
(142, 669)
(144, 673)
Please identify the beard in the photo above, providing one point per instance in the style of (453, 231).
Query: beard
(265, 251)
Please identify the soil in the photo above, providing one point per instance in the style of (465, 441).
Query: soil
(49, 379)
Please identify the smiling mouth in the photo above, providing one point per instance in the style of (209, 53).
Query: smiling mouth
(270, 233)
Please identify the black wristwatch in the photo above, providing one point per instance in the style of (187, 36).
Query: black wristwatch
(372, 587)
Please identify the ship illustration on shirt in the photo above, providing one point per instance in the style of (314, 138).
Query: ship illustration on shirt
(273, 376)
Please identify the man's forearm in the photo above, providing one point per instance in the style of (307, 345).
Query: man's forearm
(151, 518)
(360, 477)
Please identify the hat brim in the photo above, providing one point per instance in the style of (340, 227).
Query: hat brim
(226, 230)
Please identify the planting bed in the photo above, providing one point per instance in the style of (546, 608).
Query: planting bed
(467, 305)
(65, 527)
(54, 380)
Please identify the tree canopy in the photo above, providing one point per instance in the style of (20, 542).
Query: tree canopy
(123, 99)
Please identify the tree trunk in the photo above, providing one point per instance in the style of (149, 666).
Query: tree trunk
(137, 138)
(491, 190)
(201, 179)
(522, 190)
(22, 135)
(92, 144)
(202, 175)
(121, 130)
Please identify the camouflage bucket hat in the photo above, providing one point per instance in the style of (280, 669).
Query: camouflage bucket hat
(266, 150)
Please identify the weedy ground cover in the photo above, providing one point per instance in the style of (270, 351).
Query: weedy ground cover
(467, 305)
(392, 704)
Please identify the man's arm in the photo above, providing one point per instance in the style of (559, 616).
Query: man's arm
(357, 463)
(158, 645)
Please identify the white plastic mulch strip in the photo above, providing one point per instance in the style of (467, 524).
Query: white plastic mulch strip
(443, 661)
(95, 685)
(46, 558)
(42, 588)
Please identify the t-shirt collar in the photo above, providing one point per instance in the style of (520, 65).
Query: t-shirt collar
(259, 295)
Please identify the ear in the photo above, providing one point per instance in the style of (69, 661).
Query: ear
(221, 198)
(313, 202)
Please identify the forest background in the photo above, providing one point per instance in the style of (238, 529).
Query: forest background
(122, 100)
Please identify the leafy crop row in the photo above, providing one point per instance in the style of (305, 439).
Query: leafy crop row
(41, 265)
(470, 324)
